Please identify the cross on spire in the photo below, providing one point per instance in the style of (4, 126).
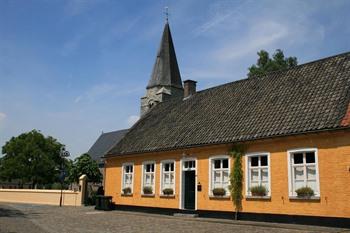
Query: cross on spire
(166, 13)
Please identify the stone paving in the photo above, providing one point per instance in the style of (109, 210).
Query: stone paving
(18, 218)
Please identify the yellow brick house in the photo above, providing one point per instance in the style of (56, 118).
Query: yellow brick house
(294, 124)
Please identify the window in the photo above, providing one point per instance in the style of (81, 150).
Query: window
(168, 176)
(303, 170)
(258, 172)
(219, 174)
(190, 164)
(128, 173)
(148, 176)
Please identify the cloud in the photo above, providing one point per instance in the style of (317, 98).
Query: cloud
(71, 45)
(77, 7)
(132, 120)
(2, 116)
(262, 35)
(78, 99)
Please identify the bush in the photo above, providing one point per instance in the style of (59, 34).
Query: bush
(305, 192)
(258, 190)
(219, 192)
(147, 190)
(168, 191)
(127, 190)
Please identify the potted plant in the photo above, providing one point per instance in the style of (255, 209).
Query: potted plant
(258, 190)
(126, 190)
(147, 190)
(219, 192)
(168, 191)
(305, 192)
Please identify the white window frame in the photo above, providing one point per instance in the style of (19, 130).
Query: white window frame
(154, 176)
(290, 170)
(210, 167)
(247, 171)
(161, 175)
(133, 177)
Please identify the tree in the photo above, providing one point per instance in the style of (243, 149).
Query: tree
(84, 164)
(31, 157)
(265, 64)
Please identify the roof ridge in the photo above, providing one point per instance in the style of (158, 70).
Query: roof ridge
(269, 74)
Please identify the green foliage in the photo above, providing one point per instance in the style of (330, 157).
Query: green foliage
(305, 192)
(57, 186)
(147, 190)
(168, 191)
(31, 157)
(236, 177)
(127, 190)
(85, 165)
(266, 64)
(219, 192)
(258, 190)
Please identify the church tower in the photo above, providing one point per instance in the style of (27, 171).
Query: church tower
(165, 82)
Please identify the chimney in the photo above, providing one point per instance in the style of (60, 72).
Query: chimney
(189, 88)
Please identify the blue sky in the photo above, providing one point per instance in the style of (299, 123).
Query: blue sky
(75, 68)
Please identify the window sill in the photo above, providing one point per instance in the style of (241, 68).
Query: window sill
(167, 196)
(219, 197)
(127, 195)
(147, 195)
(258, 197)
(295, 198)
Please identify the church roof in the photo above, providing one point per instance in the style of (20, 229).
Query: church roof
(311, 97)
(104, 143)
(166, 70)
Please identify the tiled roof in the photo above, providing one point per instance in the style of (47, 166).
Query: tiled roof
(104, 143)
(307, 98)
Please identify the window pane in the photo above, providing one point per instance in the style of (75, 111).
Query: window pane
(311, 172)
(310, 157)
(254, 161)
(263, 160)
(254, 174)
(217, 177)
(166, 178)
(166, 167)
(225, 176)
(298, 158)
(217, 163)
(126, 169)
(172, 167)
(193, 164)
(264, 174)
(299, 173)
(171, 178)
(312, 184)
(152, 167)
(298, 184)
(225, 163)
(186, 164)
(131, 167)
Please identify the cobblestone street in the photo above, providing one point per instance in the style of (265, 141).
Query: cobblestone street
(51, 219)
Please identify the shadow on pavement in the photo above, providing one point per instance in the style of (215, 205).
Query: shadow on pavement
(8, 212)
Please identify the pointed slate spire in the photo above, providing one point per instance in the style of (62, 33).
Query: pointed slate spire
(166, 70)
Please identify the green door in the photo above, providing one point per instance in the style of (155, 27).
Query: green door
(190, 189)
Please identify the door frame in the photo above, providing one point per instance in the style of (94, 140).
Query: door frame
(182, 183)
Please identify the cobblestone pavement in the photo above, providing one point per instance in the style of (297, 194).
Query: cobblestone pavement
(18, 218)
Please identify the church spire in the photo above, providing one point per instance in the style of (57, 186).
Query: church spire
(166, 70)
(165, 82)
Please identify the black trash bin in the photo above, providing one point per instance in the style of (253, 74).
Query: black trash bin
(103, 202)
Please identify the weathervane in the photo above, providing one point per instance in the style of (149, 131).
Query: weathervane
(166, 13)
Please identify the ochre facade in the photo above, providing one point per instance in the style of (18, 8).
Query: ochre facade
(333, 167)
